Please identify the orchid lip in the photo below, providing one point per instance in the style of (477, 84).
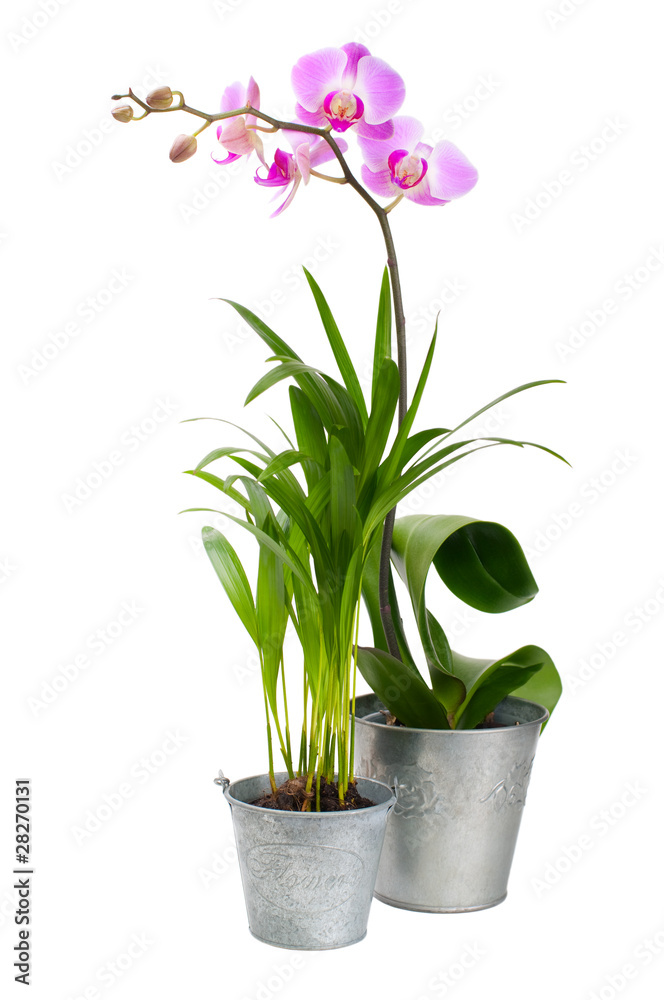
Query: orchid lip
(401, 175)
(228, 159)
(342, 108)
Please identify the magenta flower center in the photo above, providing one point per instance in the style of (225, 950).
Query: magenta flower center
(342, 109)
(406, 169)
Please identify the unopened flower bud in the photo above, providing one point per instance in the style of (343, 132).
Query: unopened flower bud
(183, 147)
(161, 98)
(123, 113)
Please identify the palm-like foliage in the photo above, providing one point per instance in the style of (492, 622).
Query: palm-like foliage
(316, 509)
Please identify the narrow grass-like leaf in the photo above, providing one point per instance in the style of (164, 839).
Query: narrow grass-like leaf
(283, 461)
(383, 341)
(380, 421)
(393, 463)
(234, 580)
(341, 356)
(506, 395)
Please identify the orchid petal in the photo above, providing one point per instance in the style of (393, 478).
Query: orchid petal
(228, 159)
(284, 205)
(253, 94)
(421, 194)
(235, 137)
(383, 131)
(380, 183)
(234, 97)
(314, 75)
(354, 52)
(423, 150)
(302, 154)
(315, 118)
(381, 89)
(451, 174)
(407, 134)
(322, 153)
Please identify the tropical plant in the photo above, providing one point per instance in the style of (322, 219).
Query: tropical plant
(483, 565)
(323, 508)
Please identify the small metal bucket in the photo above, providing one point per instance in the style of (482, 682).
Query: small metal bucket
(451, 838)
(308, 878)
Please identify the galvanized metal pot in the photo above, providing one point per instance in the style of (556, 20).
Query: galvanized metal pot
(308, 878)
(451, 838)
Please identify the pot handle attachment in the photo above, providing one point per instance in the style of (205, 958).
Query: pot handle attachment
(395, 788)
(222, 780)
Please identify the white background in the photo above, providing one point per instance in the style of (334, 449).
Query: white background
(85, 197)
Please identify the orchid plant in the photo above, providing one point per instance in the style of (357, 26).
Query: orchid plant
(322, 508)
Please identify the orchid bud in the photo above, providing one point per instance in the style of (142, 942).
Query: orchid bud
(183, 147)
(123, 113)
(161, 98)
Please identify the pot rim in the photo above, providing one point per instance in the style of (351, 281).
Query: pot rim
(307, 816)
(498, 731)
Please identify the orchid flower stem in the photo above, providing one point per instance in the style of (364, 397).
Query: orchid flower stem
(201, 129)
(325, 177)
(393, 204)
(399, 318)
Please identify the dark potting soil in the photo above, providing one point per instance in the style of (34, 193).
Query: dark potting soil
(292, 797)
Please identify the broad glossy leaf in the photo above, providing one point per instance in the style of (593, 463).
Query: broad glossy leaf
(529, 673)
(404, 693)
(481, 562)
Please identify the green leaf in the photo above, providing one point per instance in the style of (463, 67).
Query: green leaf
(234, 580)
(272, 617)
(506, 395)
(370, 593)
(268, 336)
(338, 346)
(401, 691)
(394, 463)
(529, 673)
(343, 516)
(380, 421)
(286, 369)
(310, 435)
(282, 461)
(220, 484)
(481, 562)
(383, 342)
(287, 558)
(226, 452)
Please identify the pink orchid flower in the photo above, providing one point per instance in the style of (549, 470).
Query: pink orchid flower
(428, 175)
(293, 168)
(345, 87)
(235, 134)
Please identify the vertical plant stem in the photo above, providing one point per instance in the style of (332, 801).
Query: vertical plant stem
(386, 611)
(351, 755)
